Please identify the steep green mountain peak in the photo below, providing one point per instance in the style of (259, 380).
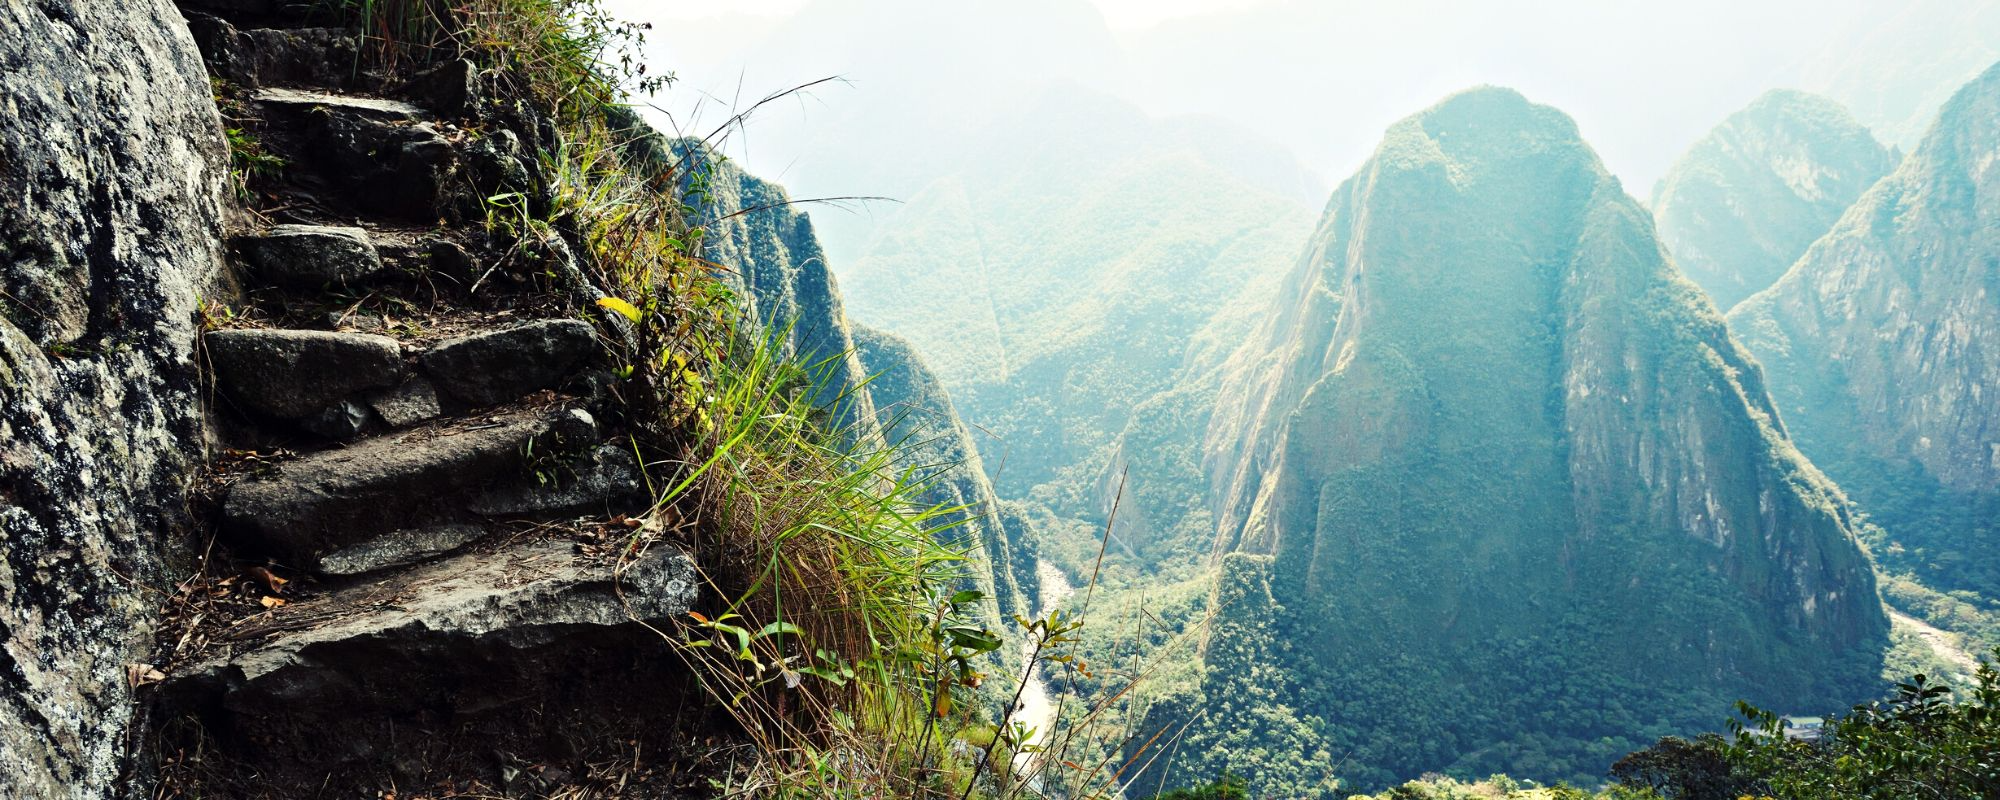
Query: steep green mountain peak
(1882, 352)
(1506, 459)
(1744, 202)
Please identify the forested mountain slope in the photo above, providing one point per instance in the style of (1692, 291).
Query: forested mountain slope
(1881, 348)
(1528, 502)
(1744, 202)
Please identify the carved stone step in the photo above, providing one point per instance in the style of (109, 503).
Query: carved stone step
(497, 366)
(380, 157)
(309, 257)
(339, 384)
(301, 102)
(255, 57)
(481, 650)
(401, 498)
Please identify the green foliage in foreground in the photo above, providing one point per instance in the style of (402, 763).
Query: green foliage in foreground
(1925, 741)
(1227, 787)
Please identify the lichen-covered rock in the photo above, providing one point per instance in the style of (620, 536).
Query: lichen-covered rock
(309, 257)
(409, 403)
(342, 510)
(112, 168)
(498, 366)
(292, 374)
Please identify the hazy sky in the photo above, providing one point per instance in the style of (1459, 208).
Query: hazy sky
(1321, 80)
(1118, 14)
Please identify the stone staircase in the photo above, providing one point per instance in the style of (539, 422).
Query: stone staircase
(426, 485)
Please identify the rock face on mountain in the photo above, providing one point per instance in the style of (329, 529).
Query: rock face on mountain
(773, 258)
(1883, 347)
(1509, 462)
(1744, 202)
(915, 412)
(111, 175)
(877, 383)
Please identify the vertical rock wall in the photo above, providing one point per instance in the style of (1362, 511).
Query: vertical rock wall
(112, 165)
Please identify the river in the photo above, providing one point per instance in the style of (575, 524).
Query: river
(1038, 707)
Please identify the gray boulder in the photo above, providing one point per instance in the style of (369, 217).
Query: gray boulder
(310, 256)
(298, 375)
(503, 365)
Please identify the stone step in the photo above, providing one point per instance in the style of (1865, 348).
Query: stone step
(497, 366)
(482, 650)
(309, 257)
(301, 102)
(252, 57)
(402, 498)
(372, 156)
(339, 385)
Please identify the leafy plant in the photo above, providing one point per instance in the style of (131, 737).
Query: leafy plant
(1924, 741)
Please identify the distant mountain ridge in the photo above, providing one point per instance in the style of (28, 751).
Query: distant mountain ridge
(1747, 200)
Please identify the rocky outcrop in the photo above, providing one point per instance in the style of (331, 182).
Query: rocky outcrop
(773, 259)
(916, 414)
(1883, 347)
(112, 168)
(1744, 202)
(1488, 421)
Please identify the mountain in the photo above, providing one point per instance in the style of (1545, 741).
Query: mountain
(1054, 282)
(1744, 202)
(1883, 348)
(1528, 504)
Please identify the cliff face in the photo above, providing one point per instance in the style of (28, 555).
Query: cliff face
(1487, 414)
(1744, 202)
(1883, 345)
(773, 259)
(877, 382)
(914, 411)
(111, 176)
